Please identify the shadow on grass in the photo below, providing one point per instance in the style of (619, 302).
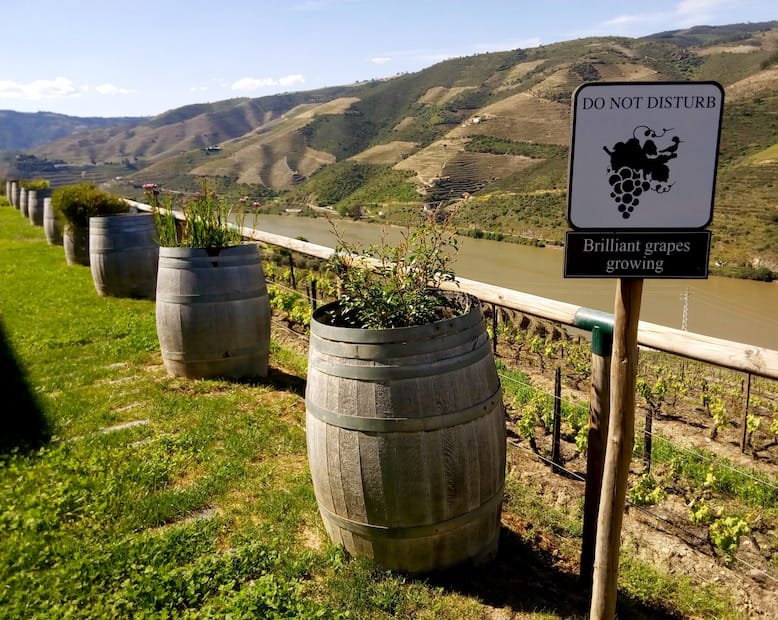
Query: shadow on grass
(22, 423)
(279, 380)
(528, 579)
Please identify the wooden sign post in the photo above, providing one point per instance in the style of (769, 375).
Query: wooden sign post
(618, 451)
(640, 193)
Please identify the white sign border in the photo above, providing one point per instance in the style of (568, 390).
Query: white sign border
(605, 226)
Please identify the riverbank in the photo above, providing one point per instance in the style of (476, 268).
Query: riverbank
(729, 308)
(740, 271)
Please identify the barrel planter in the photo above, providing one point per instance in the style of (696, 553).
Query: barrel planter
(14, 197)
(75, 240)
(35, 200)
(51, 226)
(123, 255)
(406, 440)
(23, 201)
(213, 312)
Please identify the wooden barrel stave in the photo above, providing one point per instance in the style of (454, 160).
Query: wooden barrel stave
(408, 470)
(123, 255)
(51, 225)
(213, 313)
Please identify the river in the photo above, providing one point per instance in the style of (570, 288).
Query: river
(740, 310)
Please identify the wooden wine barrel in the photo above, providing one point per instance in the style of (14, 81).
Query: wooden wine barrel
(123, 255)
(406, 440)
(23, 201)
(75, 240)
(213, 312)
(51, 226)
(35, 205)
(14, 198)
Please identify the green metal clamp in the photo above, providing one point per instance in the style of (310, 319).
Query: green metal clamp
(601, 325)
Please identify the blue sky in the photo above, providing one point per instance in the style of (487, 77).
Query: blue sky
(143, 57)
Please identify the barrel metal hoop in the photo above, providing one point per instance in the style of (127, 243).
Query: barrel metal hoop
(213, 298)
(377, 351)
(413, 531)
(404, 425)
(186, 356)
(201, 262)
(356, 335)
(403, 371)
(125, 250)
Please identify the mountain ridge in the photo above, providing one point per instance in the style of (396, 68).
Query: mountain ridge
(486, 136)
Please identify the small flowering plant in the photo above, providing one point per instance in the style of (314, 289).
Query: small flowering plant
(205, 222)
(387, 286)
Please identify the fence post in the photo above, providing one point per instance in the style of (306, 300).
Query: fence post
(556, 456)
(620, 441)
(744, 439)
(494, 330)
(291, 271)
(648, 435)
(313, 294)
(601, 326)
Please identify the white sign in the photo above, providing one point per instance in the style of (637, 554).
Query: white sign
(644, 155)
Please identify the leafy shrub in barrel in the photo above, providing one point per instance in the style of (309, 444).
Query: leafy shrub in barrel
(76, 203)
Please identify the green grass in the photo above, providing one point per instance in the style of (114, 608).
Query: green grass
(200, 505)
(128, 493)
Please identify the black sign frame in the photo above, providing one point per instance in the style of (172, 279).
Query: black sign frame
(637, 254)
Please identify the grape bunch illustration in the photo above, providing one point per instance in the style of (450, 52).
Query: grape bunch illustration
(638, 166)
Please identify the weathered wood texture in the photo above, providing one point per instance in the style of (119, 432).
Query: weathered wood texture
(14, 196)
(51, 226)
(618, 453)
(35, 205)
(123, 255)
(75, 240)
(406, 441)
(213, 312)
(23, 202)
(599, 403)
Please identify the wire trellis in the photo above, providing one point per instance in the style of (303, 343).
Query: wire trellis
(560, 468)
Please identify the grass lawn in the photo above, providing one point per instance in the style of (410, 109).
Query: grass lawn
(128, 493)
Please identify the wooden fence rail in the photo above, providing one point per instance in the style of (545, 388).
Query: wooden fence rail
(738, 356)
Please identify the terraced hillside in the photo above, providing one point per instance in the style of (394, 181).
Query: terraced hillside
(486, 135)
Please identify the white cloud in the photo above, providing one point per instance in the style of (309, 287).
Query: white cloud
(251, 84)
(697, 12)
(110, 89)
(686, 13)
(291, 80)
(627, 21)
(380, 60)
(57, 88)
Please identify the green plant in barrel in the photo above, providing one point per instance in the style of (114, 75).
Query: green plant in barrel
(386, 286)
(206, 218)
(74, 205)
(212, 310)
(35, 184)
(404, 410)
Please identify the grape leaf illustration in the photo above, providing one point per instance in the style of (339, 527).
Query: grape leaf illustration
(638, 165)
